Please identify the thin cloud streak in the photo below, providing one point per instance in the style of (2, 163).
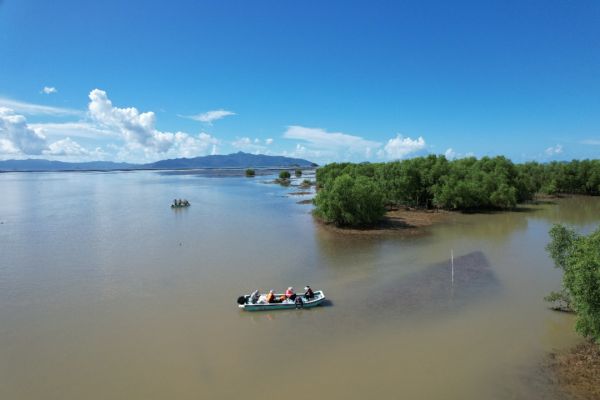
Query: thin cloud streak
(37, 109)
(210, 116)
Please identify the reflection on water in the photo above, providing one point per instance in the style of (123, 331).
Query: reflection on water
(105, 292)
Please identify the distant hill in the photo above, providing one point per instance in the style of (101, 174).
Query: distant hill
(236, 160)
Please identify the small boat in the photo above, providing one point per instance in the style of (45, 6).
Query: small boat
(262, 305)
(180, 205)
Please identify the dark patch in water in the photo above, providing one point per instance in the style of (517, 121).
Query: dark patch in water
(431, 289)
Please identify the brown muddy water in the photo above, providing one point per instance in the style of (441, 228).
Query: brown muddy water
(107, 293)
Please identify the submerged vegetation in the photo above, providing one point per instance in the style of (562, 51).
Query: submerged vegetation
(579, 258)
(435, 182)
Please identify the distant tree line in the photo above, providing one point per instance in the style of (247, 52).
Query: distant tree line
(356, 194)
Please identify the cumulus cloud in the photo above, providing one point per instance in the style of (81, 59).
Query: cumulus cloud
(450, 154)
(138, 130)
(136, 127)
(400, 147)
(66, 147)
(552, 151)
(327, 146)
(36, 109)
(17, 136)
(269, 141)
(210, 116)
(49, 90)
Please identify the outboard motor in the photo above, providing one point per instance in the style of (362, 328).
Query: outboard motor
(241, 300)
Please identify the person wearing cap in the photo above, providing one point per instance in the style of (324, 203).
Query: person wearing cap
(308, 292)
(271, 297)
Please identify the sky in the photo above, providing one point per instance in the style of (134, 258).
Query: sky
(140, 81)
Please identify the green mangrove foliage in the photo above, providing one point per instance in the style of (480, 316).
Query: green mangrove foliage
(579, 258)
(468, 183)
(250, 172)
(284, 175)
(298, 173)
(463, 184)
(350, 201)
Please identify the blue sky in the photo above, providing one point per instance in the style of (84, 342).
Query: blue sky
(327, 81)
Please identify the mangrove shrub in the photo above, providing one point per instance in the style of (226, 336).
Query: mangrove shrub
(349, 201)
(579, 258)
(284, 175)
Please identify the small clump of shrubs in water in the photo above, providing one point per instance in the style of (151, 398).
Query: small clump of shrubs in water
(284, 178)
(250, 172)
(306, 183)
(298, 173)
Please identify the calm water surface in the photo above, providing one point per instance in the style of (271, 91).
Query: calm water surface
(105, 292)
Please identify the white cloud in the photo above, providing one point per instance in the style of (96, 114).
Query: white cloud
(136, 127)
(8, 147)
(16, 135)
(36, 109)
(74, 129)
(49, 90)
(66, 147)
(192, 146)
(210, 116)
(138, 130)
(269, 141)
(401, 146)
(320, 139)
(249, 145)
(551, 151)
(450, 154)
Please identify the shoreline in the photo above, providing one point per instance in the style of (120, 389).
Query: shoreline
(576, 371)
(405, 222)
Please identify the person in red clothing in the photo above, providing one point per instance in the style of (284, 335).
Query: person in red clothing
(289, 294)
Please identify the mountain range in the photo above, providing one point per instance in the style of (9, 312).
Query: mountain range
(234, 160)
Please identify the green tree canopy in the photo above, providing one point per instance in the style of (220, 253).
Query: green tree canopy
(579, 258)
(349, 201)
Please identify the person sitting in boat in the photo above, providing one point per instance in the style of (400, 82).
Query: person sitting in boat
(289, 294)
(271, 297)
(186, 203)
(254, 296)
(308, 292)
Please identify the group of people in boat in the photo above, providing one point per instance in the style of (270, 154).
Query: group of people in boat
(289, 295)
(180, 203)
